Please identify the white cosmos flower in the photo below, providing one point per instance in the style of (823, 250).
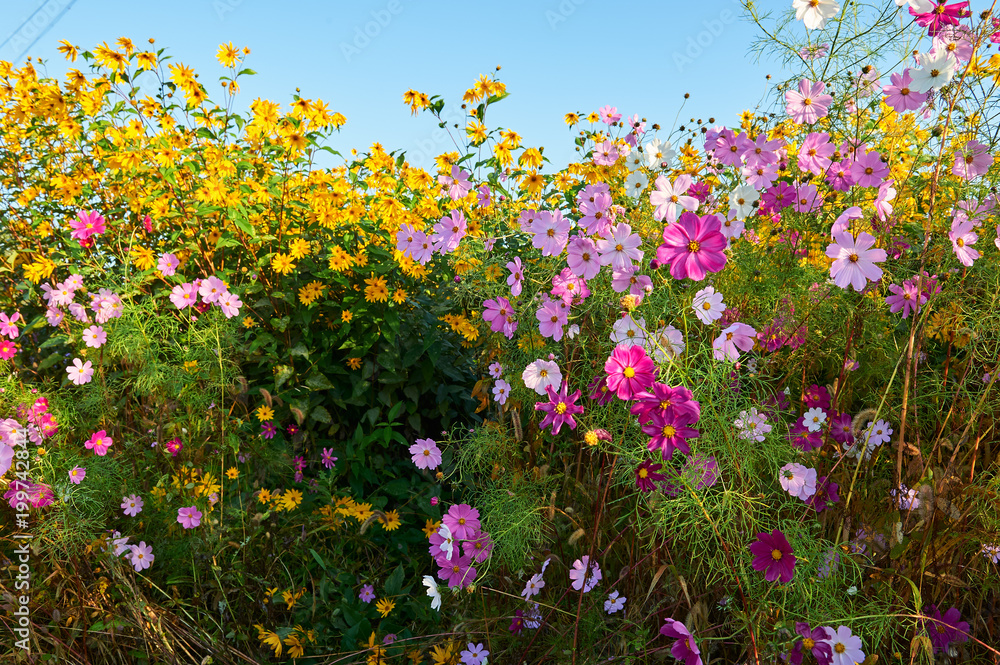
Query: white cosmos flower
(433, 592)
(935, 71)
(815, 13)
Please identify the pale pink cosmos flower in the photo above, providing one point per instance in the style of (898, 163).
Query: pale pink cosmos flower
(843, 222)
(708, 305)
(869, 170)
(586, 574)
(211, 289)
(628, 280)
(7, 326)
(132, 505)
(855, 260)
(973, 161)
(189, 518)
(609, 114)
(962, 236)
(142, 556)
(77, 474)
(900, 96)
(541, 374)
(605, 154)
(95, 337)
(457, 183)
(886, 193)
(184, 295)
(583, 258)
(737, 337)
(808, 104)
(669, 198)
(807, 198)
(627, 331)
(54, 316)
(621, 249)
(501, 389)
(815, 153)
(80, 372)
(516, 276)
(550, 320)
(425, 454)
(551, 231)
(230, 304)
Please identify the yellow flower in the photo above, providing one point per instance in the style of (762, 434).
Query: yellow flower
(384, 607)
(354, 363)
(476, 131)
(431, 527)
(571, 119)
(282, 263)
(399, 297)
(377, 655)
(593, 117)
(446, 654)
(298, 248)
(294, 644)
(68, 50)
(346, 317)
(391, 521)
(339, 259)
(248, 322)
(310, 292)
(232, 473)
(227, 55)
(264, 496)
(376, 291)
(264, 412)
(190, 365)
(271, 639)
(291, 499)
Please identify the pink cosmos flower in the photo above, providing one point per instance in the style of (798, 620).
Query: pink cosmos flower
(605, 154)
(457, 183)
(628, 280)
(501, 389)
(462, 520)
(869, 170)
(86, 225)
(630, 371)
(77, 474)
(594, 208)
(693, 246)
(727, 148)
(483, 196)
(855, 260)
(669, 198)
(807, 198)
(708, 305)
(211, 289)
(426, 454)
(737, 337)
(761, 176)
(550, 320)
(422, 248)
(540, 374)
(516, 276)
(838, 176)
(8, 350)
(760, 151)
(560, 408)
(80, 372)
(586, 574)
(495, 312)
(327, 458)
(132, 505)
(448, 232)
(670, 432)
(808, 104)
(184, 295)
(99, 442)
(189, 518)
(142, 556)
(972, 162)
(685, 648)
(798, 480)
(569, 287)
(962, 236)
(956, 40)
(173, 446)
(609, 114)
(907, 298)
(621, 249)
(230, 304)
(95, 337)
(551, 231)
(886, 193)
(900, 96)
(7, 326)
(458, 572)
(815, 153)
(583, 258)
(773, 556)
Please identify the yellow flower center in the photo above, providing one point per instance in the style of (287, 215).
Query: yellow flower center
(839, 647)
(644, 473)
(669, 431)
(629, 372)
(561, 408)
(461, 520)
(853, 258)
(776, 555)
(693, 246)
(808, 642)
(960, 242)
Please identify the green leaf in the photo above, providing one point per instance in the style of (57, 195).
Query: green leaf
(319, 559)
(394, 584)
(319, 413)
(281, 375)
(299, 349)
(318, 381)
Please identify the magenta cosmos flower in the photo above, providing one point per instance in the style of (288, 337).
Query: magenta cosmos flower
(189, 518)
(99, 442)
(426, 454)
(559, 409)
(693, 246)
(807, 104)
(87, 224)
(773, 556)
(941, 14)
(685, 648)
(670, 432)
(855, 260)
(907, 298)
(646, 476)
(812, 640)
(972, 162)
(462, 520)
(630, 371)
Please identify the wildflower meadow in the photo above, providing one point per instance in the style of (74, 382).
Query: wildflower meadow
(708, 393)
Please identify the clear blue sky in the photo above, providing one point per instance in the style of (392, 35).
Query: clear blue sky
(359, 57)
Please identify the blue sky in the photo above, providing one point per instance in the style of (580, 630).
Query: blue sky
(359, 57)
